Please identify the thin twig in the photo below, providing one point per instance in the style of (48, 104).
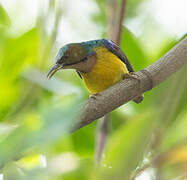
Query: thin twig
(112, 19)
(159, 160)
(119, 29)
(140, 170)
(102, 134)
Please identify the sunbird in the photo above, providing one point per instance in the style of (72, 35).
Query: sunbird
(100, 63)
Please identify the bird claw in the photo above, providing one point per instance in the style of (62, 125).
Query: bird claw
(94, 96)
(131, 75)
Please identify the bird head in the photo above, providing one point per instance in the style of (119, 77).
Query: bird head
(73, 56)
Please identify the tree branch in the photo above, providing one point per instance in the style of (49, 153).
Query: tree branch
(101, 136)
(128, 89)
(112, 20)
(121, 18)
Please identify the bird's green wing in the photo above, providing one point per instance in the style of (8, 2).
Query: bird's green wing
(112, 47)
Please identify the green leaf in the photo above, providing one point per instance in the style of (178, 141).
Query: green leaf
(132, 48)
(15, 52)
(4, 18)
(126, 148)
(83, 141)
(40, 130)
(101, 17)
(175, 135)
(131, 8)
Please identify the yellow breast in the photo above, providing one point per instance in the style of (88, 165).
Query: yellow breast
(108, 70)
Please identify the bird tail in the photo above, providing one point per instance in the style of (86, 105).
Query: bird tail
(138, 99)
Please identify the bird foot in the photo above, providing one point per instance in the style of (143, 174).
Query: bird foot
(94, 96)
(131, 75)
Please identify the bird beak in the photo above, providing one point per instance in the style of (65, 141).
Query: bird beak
(53, 70)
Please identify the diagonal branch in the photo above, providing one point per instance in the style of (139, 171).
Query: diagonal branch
(128, 89)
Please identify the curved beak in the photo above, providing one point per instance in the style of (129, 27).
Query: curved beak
(53, 70)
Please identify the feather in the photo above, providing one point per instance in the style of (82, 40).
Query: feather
(112, 47)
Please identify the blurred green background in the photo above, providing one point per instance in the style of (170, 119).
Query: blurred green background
(146, 141)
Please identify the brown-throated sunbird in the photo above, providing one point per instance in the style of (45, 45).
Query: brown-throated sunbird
(100, 63)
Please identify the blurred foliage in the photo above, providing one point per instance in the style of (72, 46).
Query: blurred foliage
(125, 154)
(4, 18)
(36, 115)
(133, 50)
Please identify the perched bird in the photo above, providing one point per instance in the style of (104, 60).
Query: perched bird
(100, 63)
